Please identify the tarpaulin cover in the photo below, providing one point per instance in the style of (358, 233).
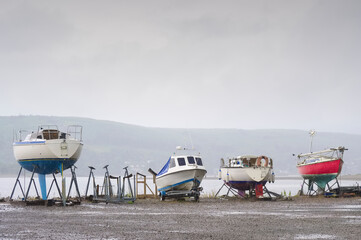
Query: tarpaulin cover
(165, 168)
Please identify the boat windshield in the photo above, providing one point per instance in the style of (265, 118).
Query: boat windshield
(191, 160)
(181, 162)
(199, 161)
(172, 163)
(50, 134)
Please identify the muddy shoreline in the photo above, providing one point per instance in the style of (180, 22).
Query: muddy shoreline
(301, 218)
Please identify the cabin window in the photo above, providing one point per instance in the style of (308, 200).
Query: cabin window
(199, 161)
(191, 160)
(50, 134)
(181, 161)
(172, 163)
(39, 137)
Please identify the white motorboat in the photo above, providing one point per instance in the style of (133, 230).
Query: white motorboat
(247, 172)
(48, 151)
(181, 172)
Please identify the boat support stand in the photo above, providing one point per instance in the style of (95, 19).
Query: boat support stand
(91, 175)
(73, 180)
(314, 189)
(25, 196)
(229, 190)
(107, 188)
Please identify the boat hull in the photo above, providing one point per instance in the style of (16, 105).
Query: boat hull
(46, 157)
(245, 178)
(321, 172)
(186, 179)
(47, 165)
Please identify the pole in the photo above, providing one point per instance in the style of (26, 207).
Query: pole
(63, 185)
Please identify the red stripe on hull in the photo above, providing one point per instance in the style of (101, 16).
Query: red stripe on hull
(318, 168)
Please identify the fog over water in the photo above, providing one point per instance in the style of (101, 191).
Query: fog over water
(185, 64)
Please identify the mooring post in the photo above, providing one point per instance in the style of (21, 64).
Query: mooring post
(154, 174)
(135, 196)
(119, 190)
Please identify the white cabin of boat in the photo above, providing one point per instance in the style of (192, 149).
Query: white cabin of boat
(177, 163)
(180, 161)
(248, 161)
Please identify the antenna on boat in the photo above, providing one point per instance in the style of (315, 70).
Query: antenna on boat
(312, 133)
(190, 138)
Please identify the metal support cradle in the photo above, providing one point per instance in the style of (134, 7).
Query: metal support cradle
(107, 194)
(252, 192)
(314, 189)
(57, 186)
(30, 183)
(74, 180)
(91, 175)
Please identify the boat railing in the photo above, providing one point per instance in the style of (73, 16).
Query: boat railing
(76, 132)
(330, 153)
(18, 136)
(315, 158)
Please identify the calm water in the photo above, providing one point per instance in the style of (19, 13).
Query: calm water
(210, 186)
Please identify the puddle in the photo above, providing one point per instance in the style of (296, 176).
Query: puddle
(314, 236)
(9, 208)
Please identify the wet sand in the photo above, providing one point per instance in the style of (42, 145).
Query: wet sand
(302, 218)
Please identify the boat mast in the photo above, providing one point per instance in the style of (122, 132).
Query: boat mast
(312, 133)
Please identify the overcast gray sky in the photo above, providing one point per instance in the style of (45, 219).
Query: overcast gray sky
(188, 64)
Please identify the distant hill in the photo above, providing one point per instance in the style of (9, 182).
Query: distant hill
(120, 145)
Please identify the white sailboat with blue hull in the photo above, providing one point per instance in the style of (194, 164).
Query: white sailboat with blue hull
(48, 151)
(182, 172)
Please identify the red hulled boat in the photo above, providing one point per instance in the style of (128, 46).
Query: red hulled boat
(321, 167)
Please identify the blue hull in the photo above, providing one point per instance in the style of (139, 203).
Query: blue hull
(244, 185)
(47, 165)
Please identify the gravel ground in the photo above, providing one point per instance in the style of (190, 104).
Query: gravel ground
(302, 218)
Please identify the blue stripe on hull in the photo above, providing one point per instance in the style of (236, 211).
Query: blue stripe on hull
(47, 165)
(34, 142)
(177, 184)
